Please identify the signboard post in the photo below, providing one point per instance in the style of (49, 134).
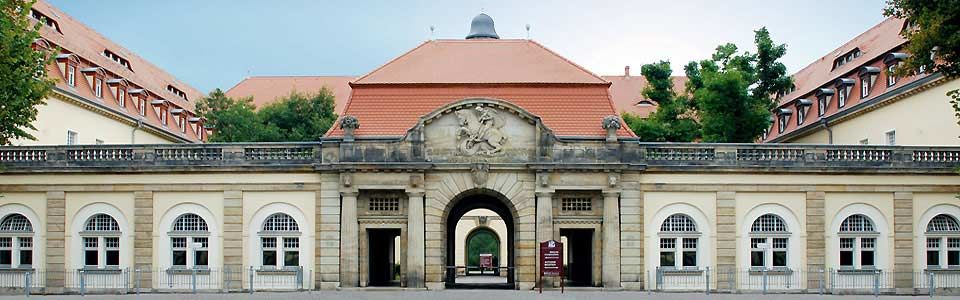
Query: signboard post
(551, 262)
(486, 262)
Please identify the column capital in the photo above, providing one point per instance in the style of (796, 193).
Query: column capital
(545, 194)
(610, 193)
(349, 193)
(415, 194)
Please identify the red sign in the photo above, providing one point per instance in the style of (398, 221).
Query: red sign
(551, 261)
(486, 260)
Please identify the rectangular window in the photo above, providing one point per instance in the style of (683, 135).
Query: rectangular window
(163, 116)
(91, 253)
(200, 253)
(689, 252)
(846, 252)
(801, 114)
(121, 97)
(179, 247)
(6, 251)
(183, 122)
(668, 252)
(112, 248)
(291, 252)
(933, 252)
(891, 78)
(891, 137)
(71, 137)
(98, 87)
(71, 75)
(26, 251)
(384, 203)
(757, 258)
(867, 246)
(779, 252)
(142, 106)
(576, 204)
(953, 252)
(842, 96)
(822, 105)
(268, 245)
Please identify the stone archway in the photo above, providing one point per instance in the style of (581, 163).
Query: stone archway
(479, 199)
(479, 240)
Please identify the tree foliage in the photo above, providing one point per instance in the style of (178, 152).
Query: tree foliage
(671, 121)
(296, 117)
(23, 79)
(934, 34)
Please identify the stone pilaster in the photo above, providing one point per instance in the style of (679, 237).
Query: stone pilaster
(903, 241)
(544, 227)
(816, 241)
(726, 230)
(349, 241)
(143, 234)
(328, 246)
(233, 235)
(631, 236)
(611, 240)
(56, 223)
(415, 240)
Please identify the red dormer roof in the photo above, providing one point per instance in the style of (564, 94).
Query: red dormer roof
(626, 91)
(569, 99)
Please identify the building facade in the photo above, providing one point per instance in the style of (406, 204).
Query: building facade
(106, 94)
(515, 141)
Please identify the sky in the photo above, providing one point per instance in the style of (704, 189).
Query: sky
(217, 43)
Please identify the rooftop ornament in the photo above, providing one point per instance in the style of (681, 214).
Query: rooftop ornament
(482, 28)
(611, 123)
(349, 124)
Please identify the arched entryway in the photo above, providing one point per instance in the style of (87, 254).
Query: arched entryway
(481, 241)
(456, 209)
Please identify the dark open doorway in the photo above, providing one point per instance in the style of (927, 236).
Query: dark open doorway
(384, 269)
(461, 205)
(579, 255)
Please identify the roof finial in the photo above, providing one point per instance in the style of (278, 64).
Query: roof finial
(528, 31)
(431, 31)
(482, 28)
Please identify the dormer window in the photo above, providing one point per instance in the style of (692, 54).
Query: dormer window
(68, 64)
(181, 116)
(803, 106)
(43, 19)
(162, 110)
(119, 88)
(172, 89)
(645, 103)
(846, 58)
(95, 77)
(784, 115)
(823, 100)
(141, 100)
(117, 58)
(893, 61)
(844, 86)
(868, 77)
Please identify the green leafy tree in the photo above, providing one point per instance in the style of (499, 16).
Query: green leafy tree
(23, 80)
(672, 121)
(300, 116)
(234, 120)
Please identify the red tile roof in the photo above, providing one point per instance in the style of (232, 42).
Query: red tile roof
(480, 61)
(570, 100)
(76, 38)
(626, 93)
(266, 89)
(873, 44)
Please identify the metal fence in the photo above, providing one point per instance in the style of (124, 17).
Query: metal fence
(137, 280)
(822, 281)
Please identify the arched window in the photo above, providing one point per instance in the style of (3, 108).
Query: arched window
(280, 238)
(679, 238)
(16, 244)
(189, 242)
(101, 242)
(769, 239)
(858, 243)
(943, 242)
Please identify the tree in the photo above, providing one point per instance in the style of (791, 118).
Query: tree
(300, 116)
(233, 120)
(23, 79)
(671, 121)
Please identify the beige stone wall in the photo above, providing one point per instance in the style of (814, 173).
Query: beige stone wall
(925, 118)
(58, 116)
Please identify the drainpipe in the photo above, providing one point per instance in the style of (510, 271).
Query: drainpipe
(133, 133)
(826, 125)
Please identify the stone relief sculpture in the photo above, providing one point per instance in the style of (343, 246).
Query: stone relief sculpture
(479, 132)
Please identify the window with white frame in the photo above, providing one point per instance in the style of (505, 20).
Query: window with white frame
(98, 87)
(769, 239)
(679, 242)
(101, 242)
(71, 75)
(142, 106)
(891, 76)
(943, 242)
(16, 244)
(72, 137)
(280, 242)
(190, 242)
(121, 97)
(891, 137)
(858, 243)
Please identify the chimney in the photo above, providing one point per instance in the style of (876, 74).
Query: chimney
(626, 71)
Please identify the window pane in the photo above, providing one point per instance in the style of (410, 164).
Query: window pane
(689, 258)
(6, 257)
(291, 258)
(26, 257)
(866, 258)
(667, 259)
(756, 259)
(200, 258)
(269, 258)
(113, 257)
(846, 258)
(953, 258)
(90, 258)
(779, 258)
(179, 258)
(933, 258)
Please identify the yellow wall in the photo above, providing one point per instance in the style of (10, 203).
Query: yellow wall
(925, 118)
(58, 116)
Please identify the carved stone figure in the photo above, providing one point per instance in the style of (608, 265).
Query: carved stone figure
(479, 132)
(480, 171)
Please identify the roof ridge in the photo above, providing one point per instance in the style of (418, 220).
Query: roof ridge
(567, 60)
(361, 78)
(298, 76)
(848, 42)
